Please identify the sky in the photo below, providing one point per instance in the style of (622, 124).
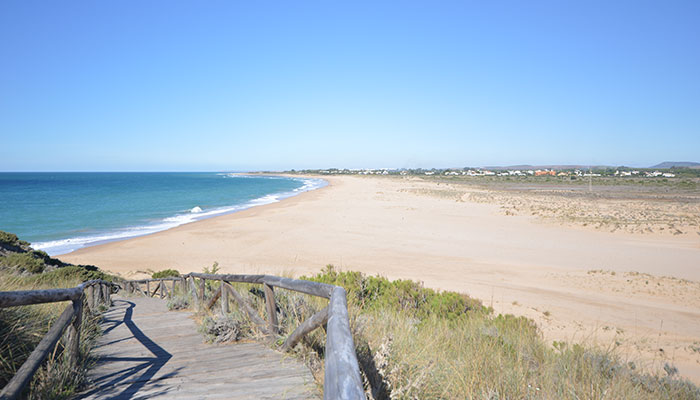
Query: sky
(264, 85)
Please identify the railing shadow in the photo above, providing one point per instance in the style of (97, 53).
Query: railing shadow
(138, 375)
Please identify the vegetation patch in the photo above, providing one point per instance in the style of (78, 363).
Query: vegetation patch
(417, 343)
(22, 262)
(21, 328)
(166, 273)
(225, 328)
(178, 302)
(371, 293)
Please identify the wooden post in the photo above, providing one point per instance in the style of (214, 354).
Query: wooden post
(73, 348)
(98, 295)
(201, 289)
(148, 288)
(91, 298)
(193, 290)
(163, 288)
(106, 295)
(271, 308)
(224, 298)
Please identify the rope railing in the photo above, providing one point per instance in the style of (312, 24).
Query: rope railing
(98, 292)
(342, 373)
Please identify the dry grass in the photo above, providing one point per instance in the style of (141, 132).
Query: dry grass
(21, 329)
(407, 351)
(502, 357)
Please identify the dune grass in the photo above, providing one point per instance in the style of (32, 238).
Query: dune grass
(21, 328)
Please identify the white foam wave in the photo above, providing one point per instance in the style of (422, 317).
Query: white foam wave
(57, 247)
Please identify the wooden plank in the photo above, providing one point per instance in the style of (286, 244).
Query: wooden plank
(271, 307)
(307, 326)
(342, 375)
(138, 359)
(26, 371)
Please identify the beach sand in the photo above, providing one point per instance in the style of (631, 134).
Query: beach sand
(640, 293)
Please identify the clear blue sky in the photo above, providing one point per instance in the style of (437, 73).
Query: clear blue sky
(209, 85)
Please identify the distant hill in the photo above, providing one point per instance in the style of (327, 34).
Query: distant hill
(676, 164)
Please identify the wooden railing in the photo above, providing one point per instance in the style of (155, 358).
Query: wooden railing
(98, 292)
(342, 373)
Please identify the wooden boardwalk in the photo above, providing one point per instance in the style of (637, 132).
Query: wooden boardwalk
(149, 352)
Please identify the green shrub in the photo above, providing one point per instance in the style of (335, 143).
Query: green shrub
(376, 292)
(81, 273)
(166, 273)
(11, 239)
(213, 270)
(22, 262)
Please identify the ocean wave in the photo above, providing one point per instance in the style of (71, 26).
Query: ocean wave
(63, 246)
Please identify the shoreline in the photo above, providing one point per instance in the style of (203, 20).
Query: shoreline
(250, 211)
(576, 284)
(62, 247)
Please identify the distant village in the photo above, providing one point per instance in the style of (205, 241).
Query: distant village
(478, 172)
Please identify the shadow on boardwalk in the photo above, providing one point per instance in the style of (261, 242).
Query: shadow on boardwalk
(147, 352)
(139, 374)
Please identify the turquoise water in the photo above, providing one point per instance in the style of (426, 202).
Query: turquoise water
(61, 212)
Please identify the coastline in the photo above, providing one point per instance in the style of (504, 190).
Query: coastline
(61, 247)
(578, 285)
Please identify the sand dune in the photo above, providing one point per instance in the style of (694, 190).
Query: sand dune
(578, 284)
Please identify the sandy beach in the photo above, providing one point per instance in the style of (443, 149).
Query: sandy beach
(639, 292)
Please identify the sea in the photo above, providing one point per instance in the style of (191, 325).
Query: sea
(62, 212)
